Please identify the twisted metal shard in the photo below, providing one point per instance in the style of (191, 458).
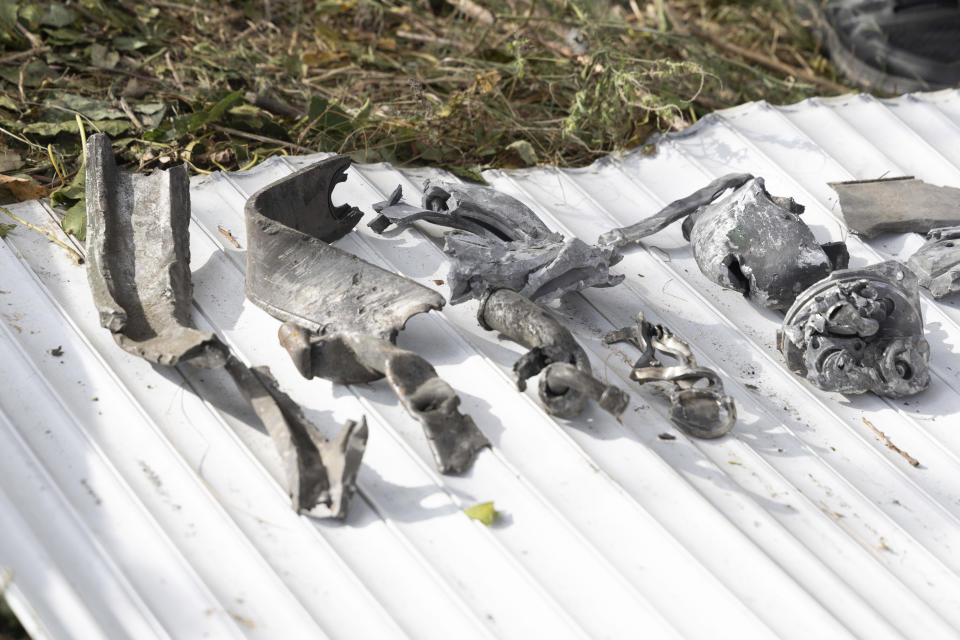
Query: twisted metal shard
(499, 242)
(750, 241)
(567, 381)
(937, 262)
(702, 411)
(343, 314)
(138, 266)
(859, 330)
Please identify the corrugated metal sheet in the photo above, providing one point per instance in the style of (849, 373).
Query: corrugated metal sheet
(141, 502)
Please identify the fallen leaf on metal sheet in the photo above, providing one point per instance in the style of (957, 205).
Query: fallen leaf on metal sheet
(484, 512)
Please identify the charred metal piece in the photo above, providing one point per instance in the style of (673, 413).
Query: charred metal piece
(342, 314)
(859, 330)
(937, 263)
(499, 242)
(347, 357)
(750, 242)
(138, 265)
(897, 205)
(702, 411)
(567, 381)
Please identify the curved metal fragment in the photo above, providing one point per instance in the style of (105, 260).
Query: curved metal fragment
(859, 330)
(295, 275)
(564, 390)
(349, 357)
(342, 314)
(138, 266)
(703, 411)
(500, 242)
(750, 241)
(318, 472)
(138, 260)
(674, 211)
(937, 262)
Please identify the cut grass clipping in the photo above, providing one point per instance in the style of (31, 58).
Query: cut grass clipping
(460, 85)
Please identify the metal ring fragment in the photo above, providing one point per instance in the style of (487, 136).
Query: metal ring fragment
(702, 410)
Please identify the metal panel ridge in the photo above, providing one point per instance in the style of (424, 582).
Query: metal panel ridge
(142, 502)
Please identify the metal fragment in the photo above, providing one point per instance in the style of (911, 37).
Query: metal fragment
(499, 242)
(567, 381)
(750, 241)
(702, 411)
(897, 205)
(349, 357)
(295, 274)
(342, 314)
(138, 266)
(937, 262)
(859, 330)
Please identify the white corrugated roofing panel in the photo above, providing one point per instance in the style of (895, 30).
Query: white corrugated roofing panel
(139, 501)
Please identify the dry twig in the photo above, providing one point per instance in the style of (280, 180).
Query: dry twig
(883, 437)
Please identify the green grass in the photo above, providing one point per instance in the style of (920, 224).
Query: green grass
(448, 83)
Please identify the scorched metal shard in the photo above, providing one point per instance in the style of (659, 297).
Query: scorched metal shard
(750, 241)
(499, 242)
(342, 314)
(138, 265)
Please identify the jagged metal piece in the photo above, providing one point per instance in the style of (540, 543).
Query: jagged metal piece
(674, 211)
(750, 241)
(138, 266)
(296, 275)
(702, 411)
(897, 205)
(567, 381)
(349, 357)
(317, 470)
(499, 242)
(859, 330)
(343, 314)
(937, 262)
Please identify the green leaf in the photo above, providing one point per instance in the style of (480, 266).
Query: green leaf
(329, 116)
(128, 43)
(34, 73)
(57, 15)
(93, 109)
(6, 228)
(102, 57)
(64, 36)
(484, 512)
(75, 220)
(199, 119)
(50, 129)
(8, 15)
(524, 151)
(8, 103)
